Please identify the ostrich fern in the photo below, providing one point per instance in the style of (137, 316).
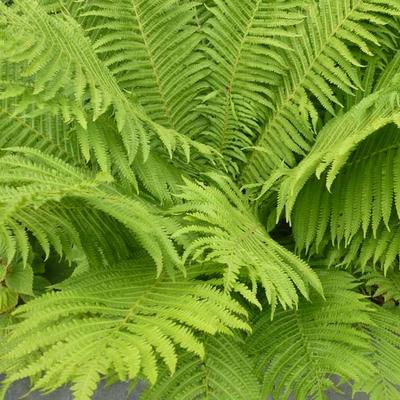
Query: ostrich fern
(201, 195)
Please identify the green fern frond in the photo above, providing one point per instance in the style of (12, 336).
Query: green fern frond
(76, 9)
(47, 133)
(156, 175)
(364, 196)
(381, 251)
(39, 179)
(226, 372)
(337, 140)
(148, 149)
(58, 64)
(152, 50)
(301, 349)
(321, 60)
(243, 75)
(35, 127)
(221, 228)
(385, 355)
(57, 60)
(121, 320)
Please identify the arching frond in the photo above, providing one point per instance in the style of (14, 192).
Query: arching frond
(156, 175)
(221, 228)
(38, 180)
(122, 320)
(148, 149)
(301, 349)
(76, 9)
(226, 372)
(321, 58)
(45, 132)
(35, 127)
(75, 72)
(381, 252)
(337, 140)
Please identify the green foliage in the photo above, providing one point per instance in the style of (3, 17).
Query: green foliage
(377, 189)
(20, 278)
(323, 63)
(384, 355)
(227, 233)
(39, 179)
(318, 340)
(246, 40)
(120, 320)
(387, 286)
(181, 183)
(8, 299)
(225, 372)
(162, 67)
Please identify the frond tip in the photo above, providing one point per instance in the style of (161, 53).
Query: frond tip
(221, 228)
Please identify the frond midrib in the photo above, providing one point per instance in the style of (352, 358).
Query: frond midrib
(229, 89)
(308, 354)
(167, 110)
(351, 163)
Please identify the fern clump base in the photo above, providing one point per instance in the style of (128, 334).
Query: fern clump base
(204, 196)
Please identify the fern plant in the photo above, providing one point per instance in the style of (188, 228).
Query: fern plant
(201, 195)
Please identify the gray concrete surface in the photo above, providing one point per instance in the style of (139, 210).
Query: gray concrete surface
(119, 391)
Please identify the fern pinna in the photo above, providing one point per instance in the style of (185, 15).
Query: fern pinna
(204, 196)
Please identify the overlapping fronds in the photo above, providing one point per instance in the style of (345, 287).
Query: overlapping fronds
(163, 67)
(387, 285)
(226, 372)
(34, 127)
(61, 63)
(59, 68)
(300, 349)
(221, 228)
(245, 38)
(45, 132)
(38, 180)
(321, 61)
(364, 195)
(148, 149)
(101, 144)
(337, 140)
(120, 321)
